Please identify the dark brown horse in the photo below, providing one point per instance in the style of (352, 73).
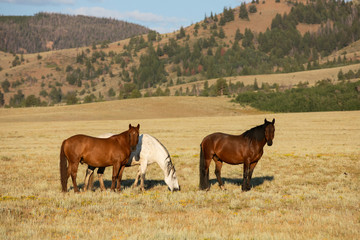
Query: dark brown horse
(246, 148)
(98, 152)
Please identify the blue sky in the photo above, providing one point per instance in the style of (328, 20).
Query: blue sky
(161, 15)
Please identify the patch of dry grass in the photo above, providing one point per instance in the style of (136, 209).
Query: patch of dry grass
(140, 108)
(305, 186)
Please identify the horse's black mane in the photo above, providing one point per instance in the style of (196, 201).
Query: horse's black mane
(256, 133)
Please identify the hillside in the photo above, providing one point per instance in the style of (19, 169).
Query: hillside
(50, 31)
(150, 108)
(293, 40)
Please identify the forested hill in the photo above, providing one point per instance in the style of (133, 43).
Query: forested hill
(49, 31)
(209, 58)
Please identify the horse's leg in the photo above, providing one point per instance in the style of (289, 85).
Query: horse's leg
(91, 178)
(206, 158)
(119, 177)
(116, 168)
(142, 181)
(142, 176)
(207, 166)
(218, 165)
(89, 173)
(137, 178)
(101, 181)
(68, 171)
(246, 185)
(100, 173)
(73, 173)
(91, 182)
(251, 170)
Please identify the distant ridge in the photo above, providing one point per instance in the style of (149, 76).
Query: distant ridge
(53, 31)
(228, 53)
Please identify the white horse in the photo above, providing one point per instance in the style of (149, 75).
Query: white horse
(148, 150)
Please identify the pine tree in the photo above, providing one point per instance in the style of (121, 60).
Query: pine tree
(181, 34)
(243, 12)
(2, 100)
(221, 33)
(238, 35)
(5, 85)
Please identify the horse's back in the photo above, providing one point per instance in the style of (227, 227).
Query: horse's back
(153, 149)
(97, 152)
(148, 151)
(76, 146)
(78, 137)
(81, 139)
(219, 138)
(224, 146)
(106, 135)
(77, 141)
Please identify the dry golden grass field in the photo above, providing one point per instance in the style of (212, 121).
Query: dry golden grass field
(306, 186)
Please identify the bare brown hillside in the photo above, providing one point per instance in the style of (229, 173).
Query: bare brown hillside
(259, 21)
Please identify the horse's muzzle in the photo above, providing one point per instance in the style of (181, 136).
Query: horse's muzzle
(269, 143)
(175, 189)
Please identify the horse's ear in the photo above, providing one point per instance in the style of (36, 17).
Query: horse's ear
(265, 121)
(138, 126)
(129, 125)
(273, 121)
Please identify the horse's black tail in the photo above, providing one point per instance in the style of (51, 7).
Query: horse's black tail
(63, 169)
(204, 174)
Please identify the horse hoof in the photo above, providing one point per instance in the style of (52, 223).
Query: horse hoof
(223, 188)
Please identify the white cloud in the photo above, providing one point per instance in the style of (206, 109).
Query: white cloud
(94, 11)
(150, 20)
(144, 17)
(133, 15)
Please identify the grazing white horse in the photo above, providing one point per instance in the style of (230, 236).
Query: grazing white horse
(148, 150)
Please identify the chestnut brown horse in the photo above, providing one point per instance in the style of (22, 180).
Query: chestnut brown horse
(98, 152)
(246, 148)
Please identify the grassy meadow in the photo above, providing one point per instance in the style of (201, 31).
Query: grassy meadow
(306, 186)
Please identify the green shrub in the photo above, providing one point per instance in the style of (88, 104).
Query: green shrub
(323, 97)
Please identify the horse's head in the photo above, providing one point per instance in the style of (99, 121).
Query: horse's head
(133, 136)
(269, 131)
(171, 180)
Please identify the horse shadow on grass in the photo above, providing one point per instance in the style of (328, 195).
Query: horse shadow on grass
(126, 183)
(149, 184)
(255, 181)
